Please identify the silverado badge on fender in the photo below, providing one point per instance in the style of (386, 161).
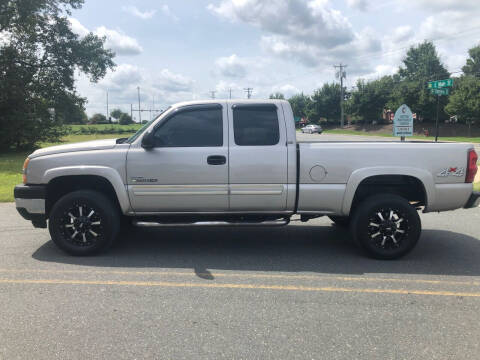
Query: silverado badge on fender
(143, 180)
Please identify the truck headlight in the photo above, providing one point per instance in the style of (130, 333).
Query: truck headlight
(24, 170)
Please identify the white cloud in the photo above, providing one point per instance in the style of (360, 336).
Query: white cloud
(310, 32)
(123, 76)
(311, 21)
(223, 89)
(442, 5)
(78, 28)
(119, 42)
(232, 66)
(133, 10)
(166, 80)
(165, 86)
(402, 33)
(361, 5)
(288, 90)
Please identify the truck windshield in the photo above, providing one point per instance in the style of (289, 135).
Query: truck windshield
(144, 127)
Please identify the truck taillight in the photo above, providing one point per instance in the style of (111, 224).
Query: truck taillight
(471, 166)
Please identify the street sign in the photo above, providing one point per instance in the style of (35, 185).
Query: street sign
(440, 84)
(440, 91)
(403, 122)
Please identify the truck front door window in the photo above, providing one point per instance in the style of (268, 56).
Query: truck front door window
(195, 128)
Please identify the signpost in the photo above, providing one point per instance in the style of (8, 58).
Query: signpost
(440, 84)
(440, 91)
(403, 122)
(439, 87)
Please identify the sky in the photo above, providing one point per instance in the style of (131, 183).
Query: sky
(183, 50)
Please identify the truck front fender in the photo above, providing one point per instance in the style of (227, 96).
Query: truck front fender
(361, 174)
(102, 171)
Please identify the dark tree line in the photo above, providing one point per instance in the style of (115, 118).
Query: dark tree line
(38, 58)
(368, 100)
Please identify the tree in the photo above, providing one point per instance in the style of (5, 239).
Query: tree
(421, 65)
(71, 110)
(37, 65)
(98, 119)
(371, 98)
(300, 104)
(125, 119)
(325, 103)
(116, 113)
(472, 67)
(465, 100)
(277, 95)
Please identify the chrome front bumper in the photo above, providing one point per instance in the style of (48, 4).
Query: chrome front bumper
(32, 206)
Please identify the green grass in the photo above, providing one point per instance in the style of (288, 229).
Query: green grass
(11, 163)
(476, 186)
(430, 138)
(10, 174)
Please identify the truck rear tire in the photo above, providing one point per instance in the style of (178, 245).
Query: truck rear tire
(386, 226)
(84, 223)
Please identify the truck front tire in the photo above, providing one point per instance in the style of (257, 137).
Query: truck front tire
(386, 226)
(84, 223)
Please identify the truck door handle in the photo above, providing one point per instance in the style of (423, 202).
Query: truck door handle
(216, 160)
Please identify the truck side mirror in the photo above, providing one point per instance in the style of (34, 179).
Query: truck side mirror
(148, 141)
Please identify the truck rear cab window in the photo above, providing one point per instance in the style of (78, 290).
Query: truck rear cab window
(191, 128)
(255, 125)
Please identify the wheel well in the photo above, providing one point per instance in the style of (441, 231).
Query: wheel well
(408, 187)
(63, 185)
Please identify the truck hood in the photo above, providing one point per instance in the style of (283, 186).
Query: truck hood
(81, 146)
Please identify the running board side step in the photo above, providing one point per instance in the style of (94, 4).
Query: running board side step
(211, 223)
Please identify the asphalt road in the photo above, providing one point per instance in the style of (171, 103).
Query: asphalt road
(297, 292)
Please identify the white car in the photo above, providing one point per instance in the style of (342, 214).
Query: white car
(310, 129)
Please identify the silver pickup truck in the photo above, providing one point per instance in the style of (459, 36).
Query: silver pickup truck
(237, 162)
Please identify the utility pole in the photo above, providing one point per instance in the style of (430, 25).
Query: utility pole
(131, 111)
(212, 94)
(108, 114)
(341, 74)
(139, 111)
(230, 92)
(249, 91)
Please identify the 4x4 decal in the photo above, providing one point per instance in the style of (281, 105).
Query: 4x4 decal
(454, 171)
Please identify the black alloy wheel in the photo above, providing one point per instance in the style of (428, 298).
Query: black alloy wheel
(84, 222)
(386, 226)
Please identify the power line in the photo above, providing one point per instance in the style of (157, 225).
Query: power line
(249, 91)
(108, 114)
